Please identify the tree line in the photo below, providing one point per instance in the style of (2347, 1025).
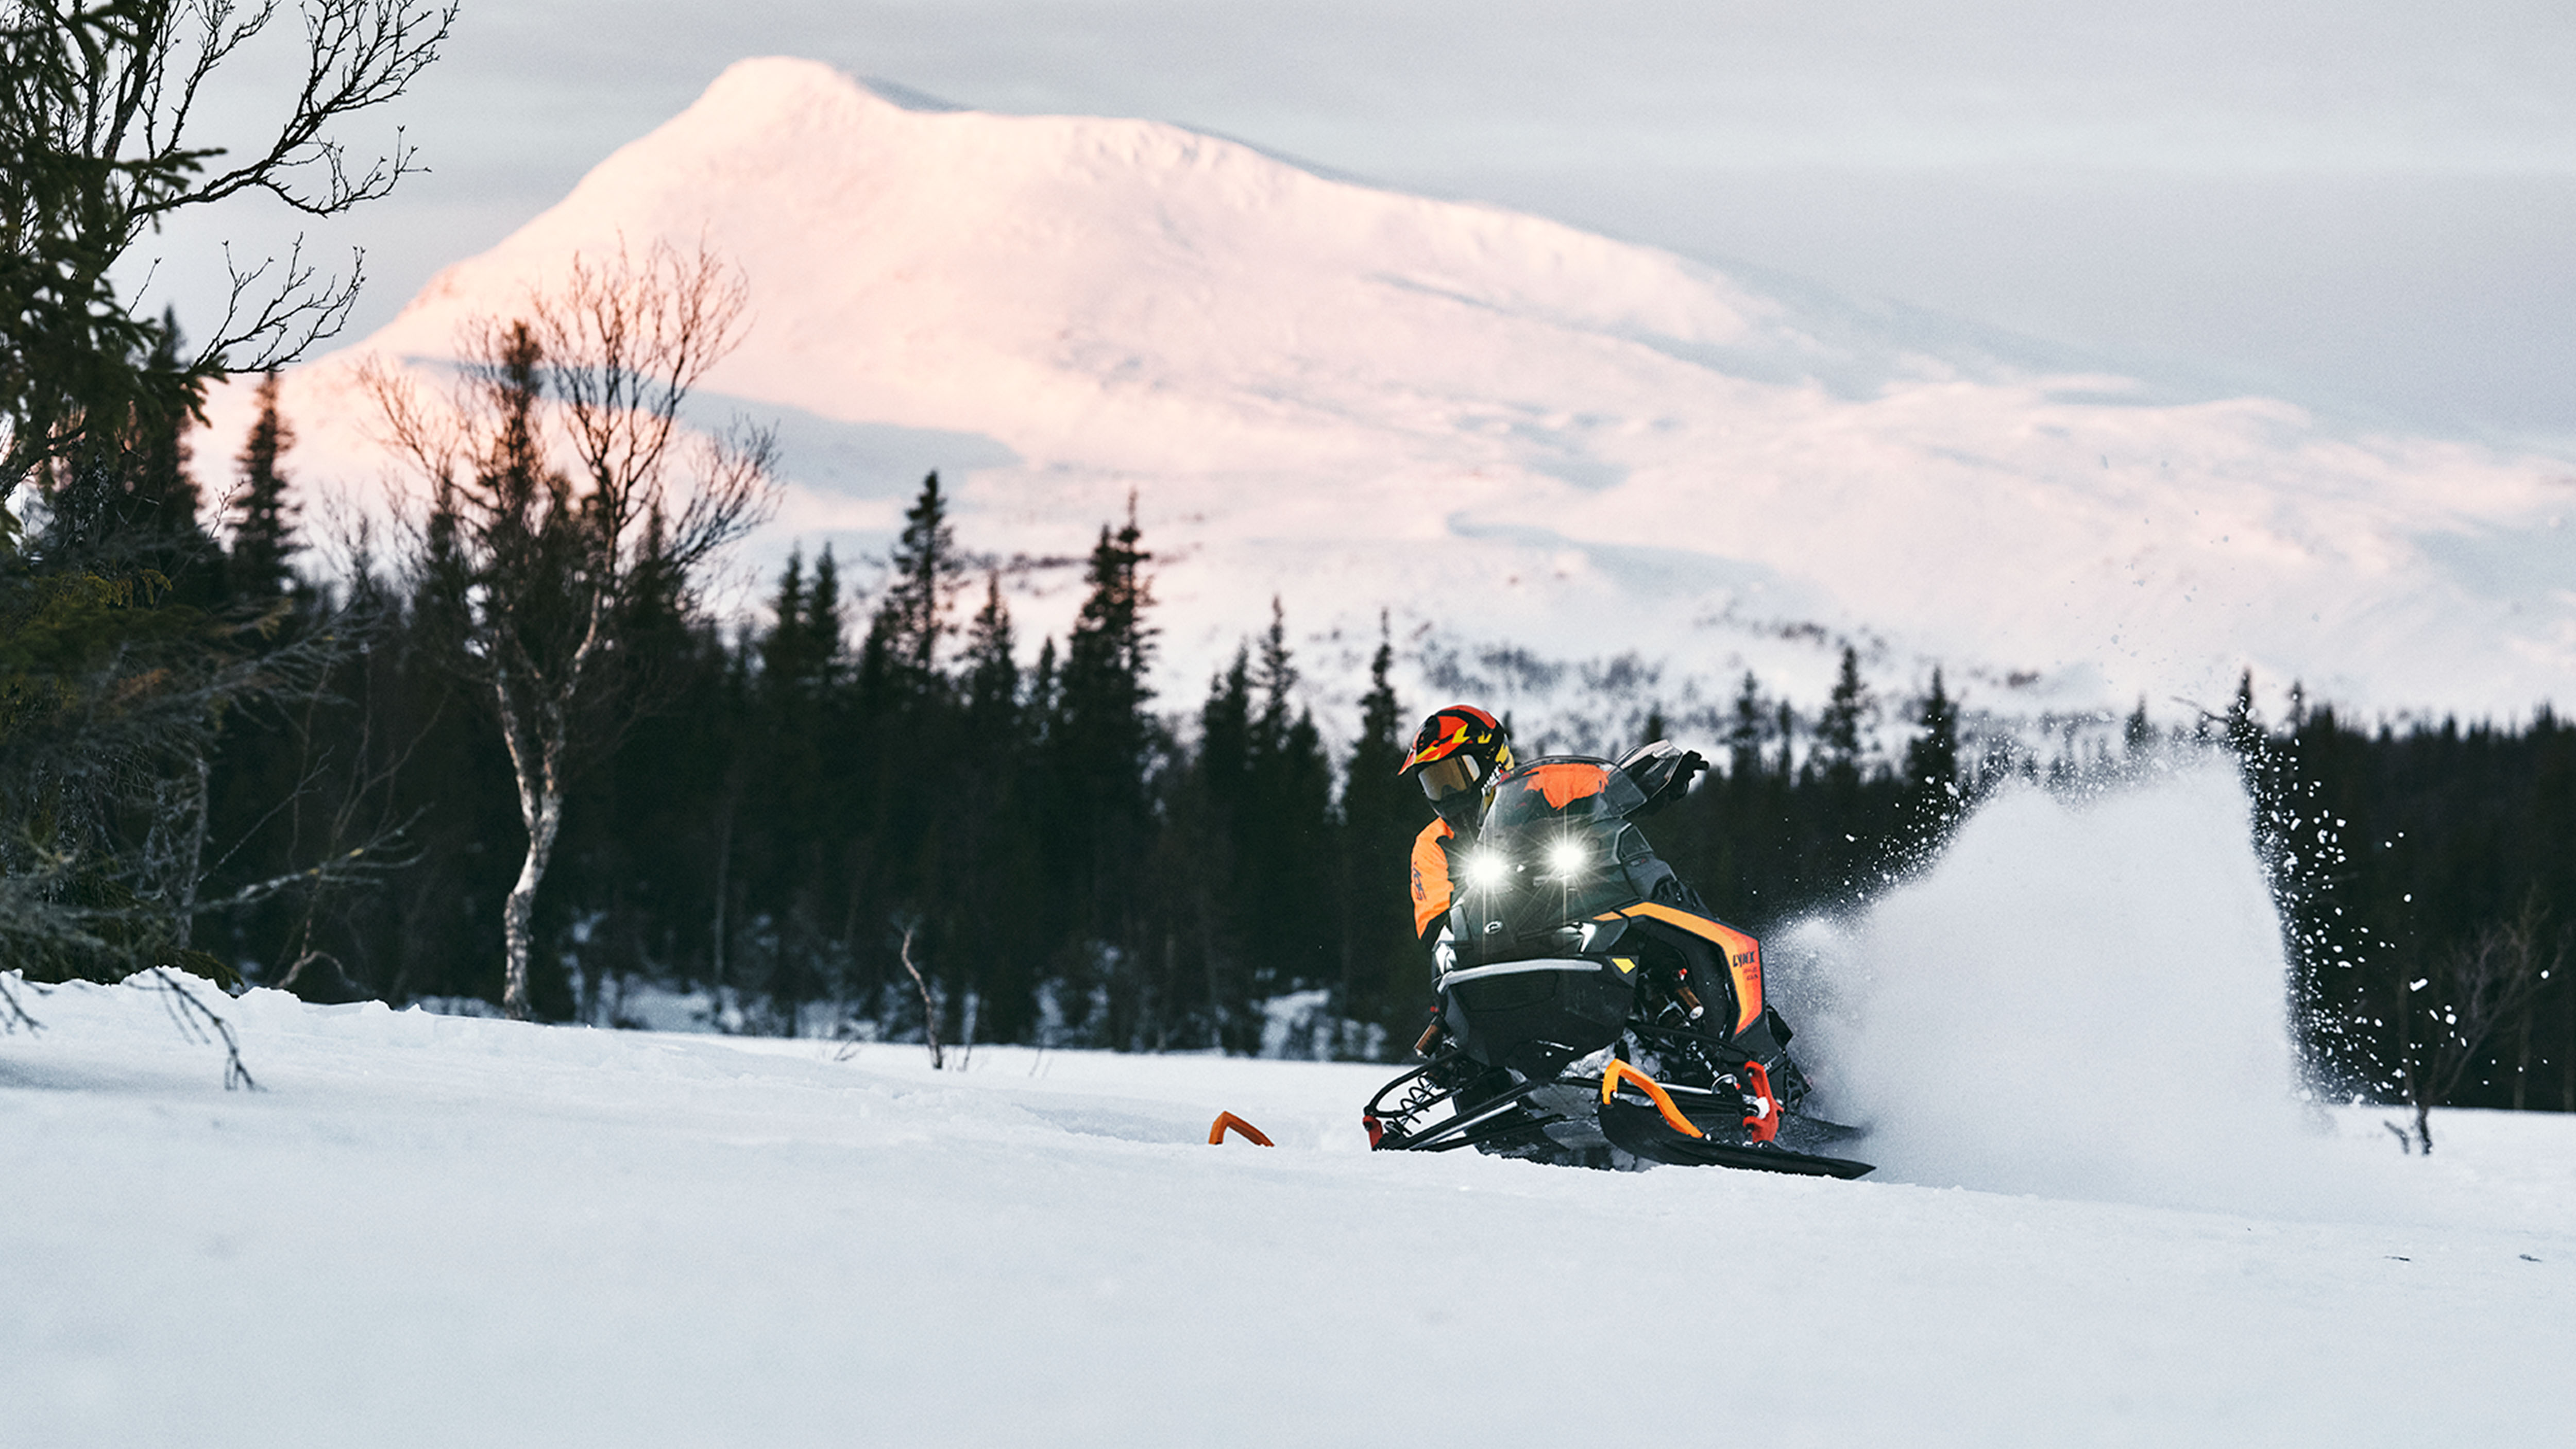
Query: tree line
(886, 814)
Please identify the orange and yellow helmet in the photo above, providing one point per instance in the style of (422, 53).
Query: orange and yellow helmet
(1456, 755)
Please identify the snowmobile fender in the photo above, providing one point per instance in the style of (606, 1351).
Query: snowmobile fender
(1738, 953)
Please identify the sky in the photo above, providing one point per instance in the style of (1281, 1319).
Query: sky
(2361, 207)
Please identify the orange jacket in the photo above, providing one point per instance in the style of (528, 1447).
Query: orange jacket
(1431, 889)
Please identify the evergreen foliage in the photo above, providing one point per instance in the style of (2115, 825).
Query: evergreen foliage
(263, 518)
(126, 670)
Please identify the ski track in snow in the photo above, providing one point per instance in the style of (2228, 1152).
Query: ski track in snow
(2115, 1224)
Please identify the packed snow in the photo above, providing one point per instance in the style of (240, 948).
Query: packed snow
(2103, 1215)
(1506, 430)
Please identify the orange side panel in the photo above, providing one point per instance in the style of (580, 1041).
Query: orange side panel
(1431, 888)
(1743, 954)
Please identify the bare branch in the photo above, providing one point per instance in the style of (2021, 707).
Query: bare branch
(195, 1019)
(929, 1009)
(13, 1015)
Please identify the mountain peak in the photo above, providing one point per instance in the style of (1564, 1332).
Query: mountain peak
(1506, 429)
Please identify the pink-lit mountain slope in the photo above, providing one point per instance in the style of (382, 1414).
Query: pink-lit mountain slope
(1505, 430)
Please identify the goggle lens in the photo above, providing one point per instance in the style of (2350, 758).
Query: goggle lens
(1443, 778)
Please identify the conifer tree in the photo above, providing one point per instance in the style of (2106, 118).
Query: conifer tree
(800, 654)
(1744, 736)
(1932, 794)
(1284, 837)
(913, 617)
(1838, 728)
(824, 624)
(1216, 817)
(990, 676)
(263, 519)
(1226, 740)
(1102, 725)
(1099, 745)
(1380, 813)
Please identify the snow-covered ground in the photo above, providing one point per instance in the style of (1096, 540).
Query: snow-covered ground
(2104, 1219)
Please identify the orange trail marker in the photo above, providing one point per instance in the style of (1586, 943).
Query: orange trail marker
(1216, 1130)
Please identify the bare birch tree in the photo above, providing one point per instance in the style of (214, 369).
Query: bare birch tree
(565, 497)
(2479, 987)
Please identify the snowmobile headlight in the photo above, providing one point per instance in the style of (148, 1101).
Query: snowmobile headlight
(1566, 857)
(1488, 869)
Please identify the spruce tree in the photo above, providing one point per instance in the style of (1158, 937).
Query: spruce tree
(263, 519)
(1380, 813)
(913, 617)
(1932, 794)
(1226, 740)
(1100, 739)
(823, 624)
(1744, 737)
(1285, 837)
(1838, 728)
(1102, 694)
(989, 679)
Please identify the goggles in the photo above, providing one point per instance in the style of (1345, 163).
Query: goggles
(1444, 778)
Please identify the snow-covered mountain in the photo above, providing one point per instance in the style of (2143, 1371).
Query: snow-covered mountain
(1510, 432)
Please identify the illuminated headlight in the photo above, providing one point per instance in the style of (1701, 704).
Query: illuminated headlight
(1566, 857)
(1488, 869)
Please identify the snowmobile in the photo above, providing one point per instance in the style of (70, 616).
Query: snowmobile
(1590, 1010)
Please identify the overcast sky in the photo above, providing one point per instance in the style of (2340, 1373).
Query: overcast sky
(2370, 206)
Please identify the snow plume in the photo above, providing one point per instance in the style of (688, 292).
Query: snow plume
(2085, 996)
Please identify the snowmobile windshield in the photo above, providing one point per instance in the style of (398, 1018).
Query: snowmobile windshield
(1560, 793)
(1555, 847)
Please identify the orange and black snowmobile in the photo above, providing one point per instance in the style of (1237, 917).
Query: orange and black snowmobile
(1590, 1010)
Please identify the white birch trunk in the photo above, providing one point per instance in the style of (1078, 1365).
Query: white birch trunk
(518, 917)
(537, 766)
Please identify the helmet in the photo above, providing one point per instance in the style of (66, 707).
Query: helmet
(1456, 755)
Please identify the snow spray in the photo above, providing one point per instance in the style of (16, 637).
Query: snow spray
(2085, 995)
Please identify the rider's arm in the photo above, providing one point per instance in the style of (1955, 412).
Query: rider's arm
(1431, 888)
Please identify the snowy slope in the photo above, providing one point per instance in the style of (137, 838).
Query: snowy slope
(433, 1231)
(1505, 429)
(437, 1231)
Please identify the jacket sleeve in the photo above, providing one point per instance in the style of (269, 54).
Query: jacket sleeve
(1431, 889)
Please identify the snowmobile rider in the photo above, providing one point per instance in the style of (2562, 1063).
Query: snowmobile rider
(1686, 961)
(1457, 755)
